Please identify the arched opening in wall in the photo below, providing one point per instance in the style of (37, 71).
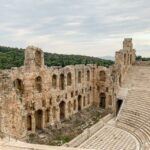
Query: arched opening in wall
(50, 101)
(47, 115)
(69, 79)
(102, 75)
(38, 84)
(88, 75)
(54, 113)
(62, 110)
(72, 94)
(39, 119)
(118, 105)
(18, 85)
(44, 103)
(62, 82)
(88, 100)
(69, 107)
(74, 105)
(79, 77)
(125, 59)
(120, 80)
(38, 58)
(110, 100)
(79, 102)
(102, 103)
(130, 59)
(54, 81)
(29, 123)
(84, 101)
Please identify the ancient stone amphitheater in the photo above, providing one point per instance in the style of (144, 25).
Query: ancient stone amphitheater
(124, 88)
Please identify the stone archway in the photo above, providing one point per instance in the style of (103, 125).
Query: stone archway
(39, 119)
(38, 84)
(18, 85)
(62, 107)
(54, 81)
(131, 59)
(88, 75)
(118, 105)
(69, 79)
(74, 105)
(47, 115)
(102, 75)
(79, 102)
(38, 58)
(102, 103)
(62, 82)
(79, 77)
(120, 80)
(29, 123)
(54, 113)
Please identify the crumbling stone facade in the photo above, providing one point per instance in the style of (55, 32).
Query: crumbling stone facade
(35, 96)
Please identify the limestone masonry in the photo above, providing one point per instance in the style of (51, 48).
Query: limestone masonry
(35, 96)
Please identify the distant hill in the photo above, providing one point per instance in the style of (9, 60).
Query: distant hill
(140, 58)
(14, 57)
(108, 58)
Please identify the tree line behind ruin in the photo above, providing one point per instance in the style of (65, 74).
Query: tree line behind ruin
(14, 57)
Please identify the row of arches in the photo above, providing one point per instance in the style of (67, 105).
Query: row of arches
(78, 105)
(18, 83)
(19, 86)
(64, 109)
(69, 79)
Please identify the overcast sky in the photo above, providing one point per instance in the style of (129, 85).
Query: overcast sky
(87, 27)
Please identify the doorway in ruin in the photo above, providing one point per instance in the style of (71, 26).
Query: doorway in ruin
(62, 107)
(88, 75)
(120, 80)
(130, 59)
(39, 119)
(18, 85)
(69, 79)
(47, 115)
(102, 103)
(29, 123)
(79, 77)
(38, 84)
(79, 102)
(54, 81)
(102, 75)
(38, 58)
(62, 82)
(118, 105)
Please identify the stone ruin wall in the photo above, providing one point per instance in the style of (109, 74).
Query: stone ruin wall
(35, 96)
(125, 57)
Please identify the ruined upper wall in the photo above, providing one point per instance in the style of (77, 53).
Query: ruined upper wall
(126, 56)
(34, 57)
(127, 44)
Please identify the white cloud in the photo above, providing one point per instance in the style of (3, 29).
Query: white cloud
(87, 27)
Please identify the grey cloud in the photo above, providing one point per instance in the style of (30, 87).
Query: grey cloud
(74, 21)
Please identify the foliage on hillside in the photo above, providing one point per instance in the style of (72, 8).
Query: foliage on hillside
(140, 58)
(14, 57)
